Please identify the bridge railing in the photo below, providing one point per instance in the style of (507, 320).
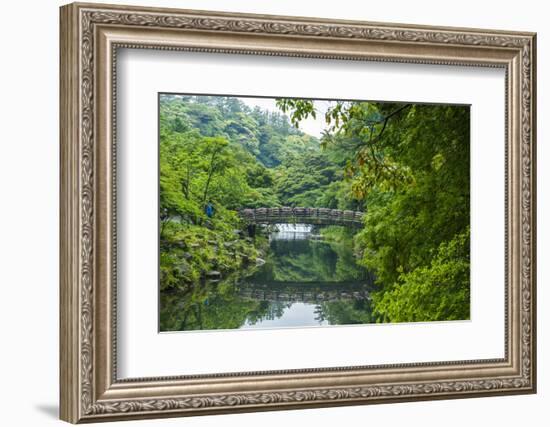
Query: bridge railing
(259, 215)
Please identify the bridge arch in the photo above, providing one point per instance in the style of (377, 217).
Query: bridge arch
(302, 215)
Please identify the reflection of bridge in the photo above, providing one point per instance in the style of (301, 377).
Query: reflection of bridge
(321, 216)
(308, 292)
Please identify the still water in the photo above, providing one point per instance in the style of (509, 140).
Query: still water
(305, 281)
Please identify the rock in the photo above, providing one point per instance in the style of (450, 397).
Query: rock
(182, 268)
(213, 273)
(260, 261)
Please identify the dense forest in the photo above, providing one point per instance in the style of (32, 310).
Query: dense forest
(218, 150)
(405, 165)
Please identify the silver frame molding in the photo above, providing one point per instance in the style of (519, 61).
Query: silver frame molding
(90, 37)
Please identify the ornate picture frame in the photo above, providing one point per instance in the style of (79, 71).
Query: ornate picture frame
(90, 37)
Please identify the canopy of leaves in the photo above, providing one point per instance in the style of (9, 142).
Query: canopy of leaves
(266, 135)
(410, 168)
(440, 291)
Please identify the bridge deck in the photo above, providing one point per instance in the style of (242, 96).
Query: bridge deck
(301, 215)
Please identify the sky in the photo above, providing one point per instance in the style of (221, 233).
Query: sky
(311, 126)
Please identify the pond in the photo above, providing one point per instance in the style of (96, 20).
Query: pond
(305, 280)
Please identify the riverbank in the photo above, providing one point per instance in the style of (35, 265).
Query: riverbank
(191, 253)
(303, 282)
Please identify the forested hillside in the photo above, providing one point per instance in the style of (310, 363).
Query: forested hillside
(405, 165)
(218, 150)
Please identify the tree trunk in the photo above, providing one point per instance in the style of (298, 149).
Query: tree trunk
(187, 183)
(210, 174)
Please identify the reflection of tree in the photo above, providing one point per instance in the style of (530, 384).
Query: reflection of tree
(270, 311)
(214, 306)
(308, 270)
(221, 306)
(346, 312)
(319, 314)
(311, 261)
(207, 306)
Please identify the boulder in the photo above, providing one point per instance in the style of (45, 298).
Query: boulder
(212, 274)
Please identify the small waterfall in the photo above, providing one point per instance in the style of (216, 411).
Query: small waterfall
(292, 231)
(295, 228)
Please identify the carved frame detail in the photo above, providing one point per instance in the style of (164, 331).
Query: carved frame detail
(87, 397)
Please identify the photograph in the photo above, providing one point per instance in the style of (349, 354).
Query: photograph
(279, 212)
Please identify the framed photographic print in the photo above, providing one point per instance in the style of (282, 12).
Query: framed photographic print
(266, 212)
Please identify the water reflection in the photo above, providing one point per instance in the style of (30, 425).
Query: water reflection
(305, 281)
(294, 314)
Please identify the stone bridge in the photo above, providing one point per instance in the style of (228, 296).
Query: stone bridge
(299, 215)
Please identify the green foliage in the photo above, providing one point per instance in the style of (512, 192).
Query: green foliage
(200, 167)
(410, 167)
(406, 165)
(301, 109)
(189, 252)
(440, 291)
(316, 180)
(209, 306)
(268, 136)
(347, 312)
(408, 218)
